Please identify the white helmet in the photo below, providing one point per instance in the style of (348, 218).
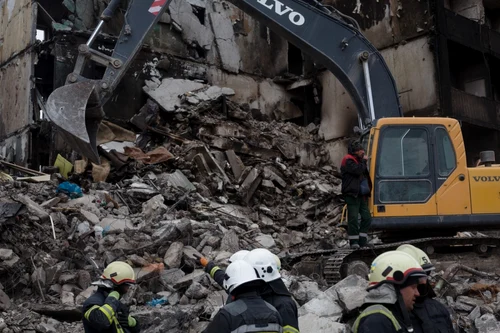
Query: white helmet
(238, 255)
(265, 263)
(238, 273)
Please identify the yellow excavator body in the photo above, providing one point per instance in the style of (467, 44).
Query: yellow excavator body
(420, 177)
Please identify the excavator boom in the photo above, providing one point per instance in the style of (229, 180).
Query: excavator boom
(76, 108)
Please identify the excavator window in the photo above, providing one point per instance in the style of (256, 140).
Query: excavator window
(403, 170)
(445, 153)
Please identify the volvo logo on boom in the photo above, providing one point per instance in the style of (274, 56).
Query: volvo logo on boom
(487, 178)
(281, 9)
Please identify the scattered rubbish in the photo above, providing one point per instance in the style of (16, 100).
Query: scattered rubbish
(64, 166)
(72, 190)
(158, 301)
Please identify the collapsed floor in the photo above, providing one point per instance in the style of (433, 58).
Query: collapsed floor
(195, 173)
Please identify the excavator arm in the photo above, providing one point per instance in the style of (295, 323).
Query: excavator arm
(76, 108)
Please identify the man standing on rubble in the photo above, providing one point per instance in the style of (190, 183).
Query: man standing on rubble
(103, 311)
(247, 312)
(393, 288)
(428, 313)
(275, 292)
(356, 188)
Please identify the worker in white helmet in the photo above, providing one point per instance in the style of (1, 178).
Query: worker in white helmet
(247, 312)
(268, 266)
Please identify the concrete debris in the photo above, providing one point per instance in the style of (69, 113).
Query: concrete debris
(230, 183)
(224, 39)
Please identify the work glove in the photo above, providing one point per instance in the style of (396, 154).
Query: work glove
(124, 318)
(208, 265)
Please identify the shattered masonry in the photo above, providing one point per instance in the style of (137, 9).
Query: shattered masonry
(207, 180)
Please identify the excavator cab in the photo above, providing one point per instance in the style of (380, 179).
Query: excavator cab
(421, 181)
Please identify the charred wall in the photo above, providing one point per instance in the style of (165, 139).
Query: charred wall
(16, 70)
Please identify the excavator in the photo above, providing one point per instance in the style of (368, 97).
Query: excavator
(423, 192)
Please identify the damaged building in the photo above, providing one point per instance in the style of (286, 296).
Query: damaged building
(214, 42)
(444, 56)
(205, 41)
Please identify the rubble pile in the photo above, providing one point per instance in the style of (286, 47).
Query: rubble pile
(203, 177)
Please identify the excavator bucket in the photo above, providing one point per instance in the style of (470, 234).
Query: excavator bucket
(75, 110)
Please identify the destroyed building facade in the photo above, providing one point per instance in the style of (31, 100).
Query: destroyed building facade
(444, 56)
(215, 42)
(210, 41)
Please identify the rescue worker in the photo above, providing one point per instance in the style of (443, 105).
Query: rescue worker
(392, 291)
(275, 292)
(427, 313)
(356, 188)
(103, 311)
(215, 271)
(247, 312)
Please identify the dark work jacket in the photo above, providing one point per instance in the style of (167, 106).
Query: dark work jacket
(432, 316)
(353, 170)
(218, 275)
(96, 321)
(276, 294)
(248, 312)
(379, 323)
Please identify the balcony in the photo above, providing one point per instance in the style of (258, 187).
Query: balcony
(475, 110)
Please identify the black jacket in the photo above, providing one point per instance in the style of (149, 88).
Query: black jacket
(276, 294)
(379, 323)
(247, 311)
(353, 170)
(218, 275)
(96, 310)
(432, 316)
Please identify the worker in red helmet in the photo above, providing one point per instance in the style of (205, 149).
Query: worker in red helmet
(103, 312)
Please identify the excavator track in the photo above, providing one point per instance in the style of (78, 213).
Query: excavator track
(335, 266)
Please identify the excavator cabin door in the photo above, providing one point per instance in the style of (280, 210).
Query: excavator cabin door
(403, 171)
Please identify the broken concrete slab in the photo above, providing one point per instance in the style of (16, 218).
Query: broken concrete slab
(110, 224)
(168, 92)
(323, 306)
(89, 216)
(193, 32)
(173, 256)
(314, 323)
(237, 165)
(266, 241)
(82, 297)
(230, 242)
(197, 291)
(224, 39)
(187, 280)
(487, 323)
(171, 276)
(154, 208)
(148, 272)
(33, 207)
(6, 254)
(138, 261)
(213, 93)
(351, 292)
(179, 180)
(250, 185)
